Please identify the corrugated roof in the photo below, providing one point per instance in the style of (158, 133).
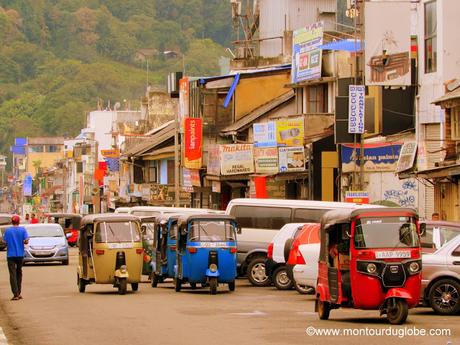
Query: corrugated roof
(160, 136)
(45, 141)
(448, 96)
(247, 120)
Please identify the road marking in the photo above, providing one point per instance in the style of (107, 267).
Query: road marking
(254, 313)
(3, 340)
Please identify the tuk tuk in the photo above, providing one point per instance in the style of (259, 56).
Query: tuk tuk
(206, 251)
(110, 251)
(166, 241)
(70, 222)
(148, 236)
(369, 259)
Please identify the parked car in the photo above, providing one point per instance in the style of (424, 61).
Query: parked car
(302, 262)
(260, 219)
(47, 243)
(275, 265)
(441, 278)
(437, 233)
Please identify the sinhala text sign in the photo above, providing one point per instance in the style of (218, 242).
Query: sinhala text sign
(356, 104)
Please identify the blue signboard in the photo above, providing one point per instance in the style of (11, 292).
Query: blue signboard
(20, 141)
(377, 157)
(18, 150)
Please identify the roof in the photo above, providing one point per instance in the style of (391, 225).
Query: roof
(108, 217)
(163, 151)
(45, 141)
(252, 116)
(448, 96)
(64, 215)
(449, 170)
(201, 216)
(166, 132)
(286, 67)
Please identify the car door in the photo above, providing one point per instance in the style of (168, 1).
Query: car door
(453, 260)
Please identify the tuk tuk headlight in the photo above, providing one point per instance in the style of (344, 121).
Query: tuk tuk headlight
(213, 268)
(371, 268)
(123, 269)
(414, 267)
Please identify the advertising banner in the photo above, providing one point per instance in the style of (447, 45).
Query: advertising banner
(213, 165)
(193, 138)
(236, 159)
(195, 177)
(356, 105)
(183, 99)
(388, 43)
(28, 185)
(290, 131)
(377, 157)
(264, 134)
(266, 160)
(306, 55)
(291, 159)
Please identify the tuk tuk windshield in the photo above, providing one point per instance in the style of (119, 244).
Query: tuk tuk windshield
(212, 231)
(115, 232)
(386, 232)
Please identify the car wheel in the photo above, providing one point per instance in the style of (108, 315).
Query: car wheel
(122, 286)
(444, 297)
(213, 285)
(81, 285)
(281, 279)
(304, 289)
(256, 272)
(397, 314)
(135, 286)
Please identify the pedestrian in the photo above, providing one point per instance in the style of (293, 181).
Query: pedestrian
(15, 238)
(34, 219)
(27, 218)
(435, 216)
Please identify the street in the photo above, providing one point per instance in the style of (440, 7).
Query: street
(53, 312)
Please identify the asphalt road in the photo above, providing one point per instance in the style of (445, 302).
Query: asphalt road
(54, 312)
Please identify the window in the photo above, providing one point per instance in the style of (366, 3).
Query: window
(35, 148)
(302, 215)
(117, 232)
(456, 252)
(261, 217)
(171, 172)
(455, 123)
(211, 231)
(52, 148)
(79, 167)
(152, 171)
(316, 98)
(430, 37)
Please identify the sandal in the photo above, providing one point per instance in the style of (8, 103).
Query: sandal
(15, 298)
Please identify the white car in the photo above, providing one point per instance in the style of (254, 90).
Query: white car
(275, 265)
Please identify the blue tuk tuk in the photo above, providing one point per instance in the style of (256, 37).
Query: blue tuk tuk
(164, 260)
(206, 251)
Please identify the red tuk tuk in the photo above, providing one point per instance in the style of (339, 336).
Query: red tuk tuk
(369, 259)
(70, 222)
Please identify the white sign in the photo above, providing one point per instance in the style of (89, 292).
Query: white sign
(390, 254)
(265, 134)
(356, 103)
(120, 245)
(291, 159)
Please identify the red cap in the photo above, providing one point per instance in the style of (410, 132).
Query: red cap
(15, 219)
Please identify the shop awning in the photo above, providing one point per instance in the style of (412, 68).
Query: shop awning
(455, 94)
(440, 172)
(252, 116)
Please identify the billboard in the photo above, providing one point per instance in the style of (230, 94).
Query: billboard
(264, 134)
(377, 157)
(266, 160)
(291, 159)
(306, 54)
(290, 131)
(388, 45)
(236, 159)
(193, 138)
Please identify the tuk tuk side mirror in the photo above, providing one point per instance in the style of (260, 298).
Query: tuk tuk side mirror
(422, 229)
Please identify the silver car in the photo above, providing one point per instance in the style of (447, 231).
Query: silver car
(441, 278)
(47, 243)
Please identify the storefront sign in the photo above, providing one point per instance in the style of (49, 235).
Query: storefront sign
(291, 159)
(266, 160)
(236, 159)
(358, 197)
(356, 105)
(193, 142)
(264, 134)
(290, 131)
(306, 55)
(407, 156)
(377, 157)
(213, 165)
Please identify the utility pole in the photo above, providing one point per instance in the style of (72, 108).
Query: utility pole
(362, 75)
(176, 162)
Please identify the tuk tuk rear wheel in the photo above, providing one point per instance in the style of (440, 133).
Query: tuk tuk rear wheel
(213, 285)
(397, 314)
(135, 286)
(122, 286)
(81, 285)
(324, 309)
(231, 286)
(177, 284)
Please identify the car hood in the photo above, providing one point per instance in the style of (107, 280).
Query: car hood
(46, 241)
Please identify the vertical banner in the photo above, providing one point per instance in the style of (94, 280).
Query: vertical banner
(183, 99)
(193, 142)
(356, 105)
(306, 54)
(28, 185)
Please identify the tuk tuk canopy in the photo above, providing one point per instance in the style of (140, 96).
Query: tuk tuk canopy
(185, 219)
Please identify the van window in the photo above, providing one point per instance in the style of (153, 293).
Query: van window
(261, 217)
(305, 215)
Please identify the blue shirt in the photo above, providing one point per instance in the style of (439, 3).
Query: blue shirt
(14, 238)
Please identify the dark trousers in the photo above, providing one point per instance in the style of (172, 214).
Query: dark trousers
(15, 268)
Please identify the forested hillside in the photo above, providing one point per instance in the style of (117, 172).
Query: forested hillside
(57, 57)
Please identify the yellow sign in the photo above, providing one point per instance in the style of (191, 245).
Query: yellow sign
(113, 153)
(290, 132)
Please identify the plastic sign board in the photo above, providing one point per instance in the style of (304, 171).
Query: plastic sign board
(357, 197)
(264, 134)
(356, 105)
(193, 142)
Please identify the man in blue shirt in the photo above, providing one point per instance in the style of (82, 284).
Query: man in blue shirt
(15, 237)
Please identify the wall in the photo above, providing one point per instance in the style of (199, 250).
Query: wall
(386, 186)
(161, 108)
(47, 160)
(101, 123)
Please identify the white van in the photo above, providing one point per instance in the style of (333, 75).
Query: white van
(260, 219)
(160, 210)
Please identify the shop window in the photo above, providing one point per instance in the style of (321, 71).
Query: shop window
(455, 123)
(79, 167)
(430, 37)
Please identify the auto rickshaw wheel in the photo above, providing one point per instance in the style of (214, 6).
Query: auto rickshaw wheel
(135, 286)
(155, 280)
(193, 286)
(231, 286)
(213, 285)
(324, 309)
(177, 284)
(397, 311)
(122, 286)
(81, 285)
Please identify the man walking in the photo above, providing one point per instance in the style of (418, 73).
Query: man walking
(15, 237)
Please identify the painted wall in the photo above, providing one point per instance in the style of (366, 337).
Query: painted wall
(47, 160)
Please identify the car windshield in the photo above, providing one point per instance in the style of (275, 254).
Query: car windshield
(44, 231)
(115, 232)
(386, 232)
(212, 231)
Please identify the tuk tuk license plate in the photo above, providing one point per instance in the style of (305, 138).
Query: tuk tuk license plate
(213, 244)
(120, 245)
(389, 254)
